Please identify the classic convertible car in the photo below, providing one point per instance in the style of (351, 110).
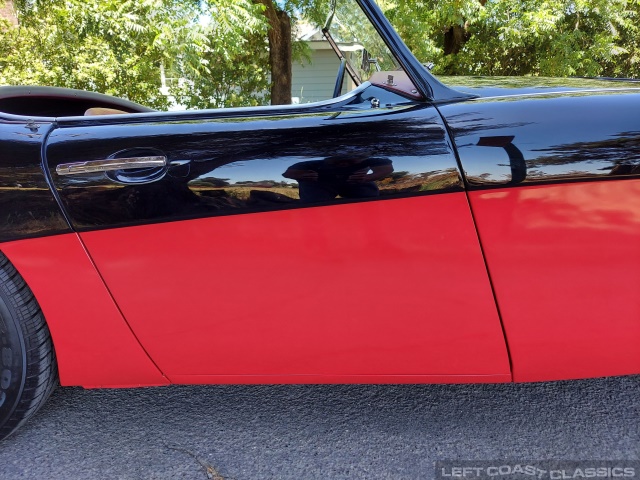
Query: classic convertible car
(401, 232)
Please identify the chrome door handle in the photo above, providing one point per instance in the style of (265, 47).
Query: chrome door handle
(111, 165)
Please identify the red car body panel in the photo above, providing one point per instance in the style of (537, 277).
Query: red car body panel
(335, 379)
(370, 292)
(565, 264)
(94, 345)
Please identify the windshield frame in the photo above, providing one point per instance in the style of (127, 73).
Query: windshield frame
(428, 85)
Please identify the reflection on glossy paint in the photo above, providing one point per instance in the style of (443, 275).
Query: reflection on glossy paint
(566, 137)
(247, 165)
(517, 167)
(384, 182)
(345, 176)
(597, 206)
(616, 156)
(26, 202)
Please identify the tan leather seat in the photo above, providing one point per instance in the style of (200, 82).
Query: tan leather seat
(103, 111)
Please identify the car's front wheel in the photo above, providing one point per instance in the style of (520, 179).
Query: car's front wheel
(28, 371)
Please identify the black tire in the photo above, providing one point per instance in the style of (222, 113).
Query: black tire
(28, 370)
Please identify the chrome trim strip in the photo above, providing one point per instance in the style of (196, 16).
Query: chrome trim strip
(109, 165)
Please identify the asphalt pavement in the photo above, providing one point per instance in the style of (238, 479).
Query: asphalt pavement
(319, 432)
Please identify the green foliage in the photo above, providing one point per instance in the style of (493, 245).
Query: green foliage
(313, 11)
(232, 67)
(423, 23)
(118, 47)
(525, 37)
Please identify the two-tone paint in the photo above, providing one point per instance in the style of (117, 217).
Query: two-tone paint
(453, 236)
(554, 185)
(225, 273)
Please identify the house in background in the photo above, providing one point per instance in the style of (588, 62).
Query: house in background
(315, 81)
(313, 78)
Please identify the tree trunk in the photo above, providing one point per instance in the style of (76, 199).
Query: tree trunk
(456, 36)
(8, 12)
(279, 52)
(454, 39)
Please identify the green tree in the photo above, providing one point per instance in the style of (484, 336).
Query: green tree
(7, 12)
(523, 37)
(213, 52)
(282, 51)
(119, 46)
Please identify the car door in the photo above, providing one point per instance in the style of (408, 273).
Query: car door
(556, 195)
(323, 243)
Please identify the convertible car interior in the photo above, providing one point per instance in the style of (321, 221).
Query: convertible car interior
(62, 102)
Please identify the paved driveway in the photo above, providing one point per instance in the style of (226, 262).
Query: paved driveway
(319, 432)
